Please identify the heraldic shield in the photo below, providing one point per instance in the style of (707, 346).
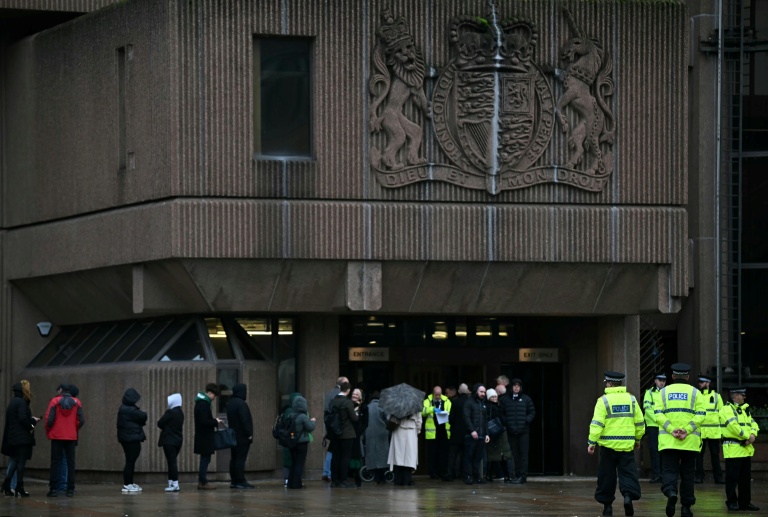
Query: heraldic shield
(504, 110)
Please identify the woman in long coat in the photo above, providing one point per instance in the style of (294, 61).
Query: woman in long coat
(376, 441)
(404, 449)
(18, 438)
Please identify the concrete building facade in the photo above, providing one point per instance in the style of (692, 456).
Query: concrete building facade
(454, 189)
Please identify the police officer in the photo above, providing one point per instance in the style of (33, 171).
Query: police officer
(710, 431)
(617, 426)
(679, 417)
(739, 431)
(651, 399)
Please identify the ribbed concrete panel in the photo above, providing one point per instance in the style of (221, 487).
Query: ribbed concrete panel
(120, 237)
(524, 233)
(397, 232)
(261, 379)
(326, 230)
(459, 231)
(73, 6)
(645, 236)
(235, 229)
(651, 111)
(583, 234)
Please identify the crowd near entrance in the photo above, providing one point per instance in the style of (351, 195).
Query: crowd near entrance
(378, 352)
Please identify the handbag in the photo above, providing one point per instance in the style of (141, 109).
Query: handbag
(224, 439)
(495, 427)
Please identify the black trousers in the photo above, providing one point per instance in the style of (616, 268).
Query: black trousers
(59, 448)
(611, 464)
(455, 457)
(342, 453)
(437, 457)
(738, 474)
(652, 435)
(474, 451)
(679, 465)
(202, 471)
(298, 459)
(714, 456)
(132, 451)
(21, 453)
(239, 453)
(519, 443)
(402, 475)
(171, 457)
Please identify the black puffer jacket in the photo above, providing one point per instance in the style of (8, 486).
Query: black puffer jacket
(456, 418)
(239, 415)
(518, 412)
(19, 423)
(130, 419)
(172, 423)
(475, 417)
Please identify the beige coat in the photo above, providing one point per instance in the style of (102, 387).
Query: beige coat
(404, 447)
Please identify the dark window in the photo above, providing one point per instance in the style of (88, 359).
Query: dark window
(188, 347)
(281, 97)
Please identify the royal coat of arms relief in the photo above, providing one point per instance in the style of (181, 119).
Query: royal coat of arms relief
(493, 112)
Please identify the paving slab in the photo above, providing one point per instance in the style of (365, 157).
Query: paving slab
(541, 496)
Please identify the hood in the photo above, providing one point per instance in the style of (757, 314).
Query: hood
(66, 404)
(240, 391)
(131, 397)
(17, 389)
(299, 404)
(203, 396)
(174, 400)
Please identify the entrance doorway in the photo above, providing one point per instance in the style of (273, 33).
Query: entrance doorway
(543, 382)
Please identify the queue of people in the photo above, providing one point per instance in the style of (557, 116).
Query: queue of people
(64, 417)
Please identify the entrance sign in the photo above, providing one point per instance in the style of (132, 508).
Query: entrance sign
(539, 355)
(369, 354)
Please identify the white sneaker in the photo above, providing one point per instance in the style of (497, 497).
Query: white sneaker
(129, 489)
(136, 488)
(173, 486)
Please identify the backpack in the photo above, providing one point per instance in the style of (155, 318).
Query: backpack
(332, 420)
(284, 431)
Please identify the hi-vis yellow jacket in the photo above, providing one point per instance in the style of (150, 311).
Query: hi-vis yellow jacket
(736, 425)
(428, 413)
(710, 429)
(617, 422)
(651, 399)
(682, 407)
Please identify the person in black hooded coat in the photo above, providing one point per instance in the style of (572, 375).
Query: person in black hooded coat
(130, 433)
(18, 438)
(241, 421)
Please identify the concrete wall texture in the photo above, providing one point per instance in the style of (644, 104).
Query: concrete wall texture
(130, 186)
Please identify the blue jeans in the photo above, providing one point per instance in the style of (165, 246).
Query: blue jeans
(327, 464)
(11, 465)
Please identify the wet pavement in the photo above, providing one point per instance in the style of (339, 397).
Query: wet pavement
(555, 496)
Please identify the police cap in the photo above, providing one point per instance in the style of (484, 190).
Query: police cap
(661, 376)
(704, 378)
(614, 377)
(738, 389)
(681, 369)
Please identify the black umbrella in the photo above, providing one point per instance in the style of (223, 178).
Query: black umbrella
(401, 401)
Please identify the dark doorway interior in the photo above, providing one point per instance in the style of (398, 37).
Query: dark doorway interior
(543, 382)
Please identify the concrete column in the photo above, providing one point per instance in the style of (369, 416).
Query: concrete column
(318, 369)
(618, 349)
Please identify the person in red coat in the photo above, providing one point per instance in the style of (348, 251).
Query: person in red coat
(63, 419)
